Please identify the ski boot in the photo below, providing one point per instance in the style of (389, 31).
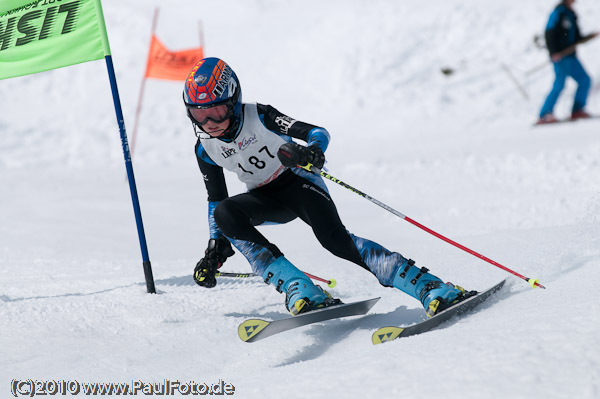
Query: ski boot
(427, 288)
(546, 119)
(580, 114)
(440, 296)
(301, 295)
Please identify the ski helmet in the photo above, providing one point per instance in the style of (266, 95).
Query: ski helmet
(212, 92)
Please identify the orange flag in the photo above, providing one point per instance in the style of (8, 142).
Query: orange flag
(170, 65)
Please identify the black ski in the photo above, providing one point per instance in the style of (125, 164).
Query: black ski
(252, 330)
(386, 334)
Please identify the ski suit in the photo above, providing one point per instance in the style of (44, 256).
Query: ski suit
(277, 194)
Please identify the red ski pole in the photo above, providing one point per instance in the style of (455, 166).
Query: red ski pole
(330, 283)
(533, 282)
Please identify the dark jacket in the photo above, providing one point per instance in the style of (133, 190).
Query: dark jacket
(562, 30)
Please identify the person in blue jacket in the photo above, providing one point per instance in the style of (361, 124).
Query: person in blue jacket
(562, 37)
(256, 142)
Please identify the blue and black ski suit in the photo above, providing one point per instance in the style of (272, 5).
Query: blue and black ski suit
(278, 195)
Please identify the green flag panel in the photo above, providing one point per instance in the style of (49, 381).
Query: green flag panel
(40, 35)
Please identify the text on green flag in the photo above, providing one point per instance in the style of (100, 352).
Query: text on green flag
(40, 35)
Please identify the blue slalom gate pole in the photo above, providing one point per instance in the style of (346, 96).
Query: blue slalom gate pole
(130, 177)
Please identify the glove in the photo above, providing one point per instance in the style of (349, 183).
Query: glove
(215, 255)
(292, 154)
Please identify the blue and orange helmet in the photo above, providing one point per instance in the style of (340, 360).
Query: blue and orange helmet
(211, 86)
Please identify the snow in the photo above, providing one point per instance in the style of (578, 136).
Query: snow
(456, 153)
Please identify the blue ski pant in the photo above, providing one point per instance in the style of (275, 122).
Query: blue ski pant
(568, 66)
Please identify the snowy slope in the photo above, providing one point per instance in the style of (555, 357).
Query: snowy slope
(456, 153)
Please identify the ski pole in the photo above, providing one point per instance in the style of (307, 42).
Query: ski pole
(536, 68)
(533, 282)
(330, 283)
(512, 77)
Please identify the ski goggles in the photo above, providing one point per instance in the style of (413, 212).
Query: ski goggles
(217, 114)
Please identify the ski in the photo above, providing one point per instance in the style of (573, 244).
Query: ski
(386, 334)
(252, 330)
(566, 120)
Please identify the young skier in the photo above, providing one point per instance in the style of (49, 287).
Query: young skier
(255, 141)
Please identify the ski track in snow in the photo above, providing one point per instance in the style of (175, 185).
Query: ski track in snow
(456, 153)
